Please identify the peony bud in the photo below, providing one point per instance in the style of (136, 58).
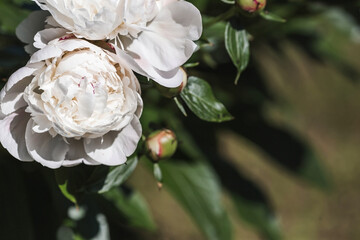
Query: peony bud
(172, 92)
(251, 6)
(161, 144)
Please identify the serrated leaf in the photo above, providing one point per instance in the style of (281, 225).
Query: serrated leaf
(196, 187)
(199, 97)
(237, 46)
(272, 17)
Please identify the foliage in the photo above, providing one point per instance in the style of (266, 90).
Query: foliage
(198, 176)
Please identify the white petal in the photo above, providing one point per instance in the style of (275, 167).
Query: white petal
(62, 19)
(47, 52)
(29, 27)
(188, 16)
(43, 37)
(77, 154)
(113, 148)
(12, 135)
(45, 149)
(130, 136)
(166, 42)
(19, 75)
(11, 95)
(170, 79)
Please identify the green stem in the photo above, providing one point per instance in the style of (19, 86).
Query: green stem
(222, 17)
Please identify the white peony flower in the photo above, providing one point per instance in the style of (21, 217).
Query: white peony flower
(73, 102)
(157, 34)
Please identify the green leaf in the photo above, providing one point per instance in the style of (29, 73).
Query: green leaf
(272, 17)
(10, 16)
(228, 1)
(196, 187)
(76, 181)
(100, 183)
(191, 65)
(313, 171)
(180, 106)
(157, 172)
(69, 182)
(237, 45)
(258, 215)
(199, 97)
(133, 206)
(64, 189)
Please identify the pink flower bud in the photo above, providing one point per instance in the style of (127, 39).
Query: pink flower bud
(161, 144)
(251, 6)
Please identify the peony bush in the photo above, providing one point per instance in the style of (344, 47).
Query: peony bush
(104, 88)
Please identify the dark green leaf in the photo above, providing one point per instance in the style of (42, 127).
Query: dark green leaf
(133, 206)
(76, 181)
(101, 183)
(271, 17)
(237, 45)
(257, 214)
(196, 187)
(313, 171)
(199, 97)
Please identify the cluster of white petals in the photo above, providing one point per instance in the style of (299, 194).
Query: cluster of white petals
(157, 34)
(78, 100)
(73, 102)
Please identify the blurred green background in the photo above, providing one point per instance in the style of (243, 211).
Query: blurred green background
(288, 162)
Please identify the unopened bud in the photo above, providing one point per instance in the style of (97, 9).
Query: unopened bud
(251, 6)
(161, 144)
(172, 92)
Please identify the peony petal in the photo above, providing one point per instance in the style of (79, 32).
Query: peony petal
(77, 154)
(12, 135)
(105, 150)
(188, 16)
(42, 38)
(29, 27)
(45, 149)
(113, 148)
(78, 20)
(166, 41)
(11, 96)
(168, 79)
(47, 52)
(62, 19)
(130, 136)
(19, 75)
